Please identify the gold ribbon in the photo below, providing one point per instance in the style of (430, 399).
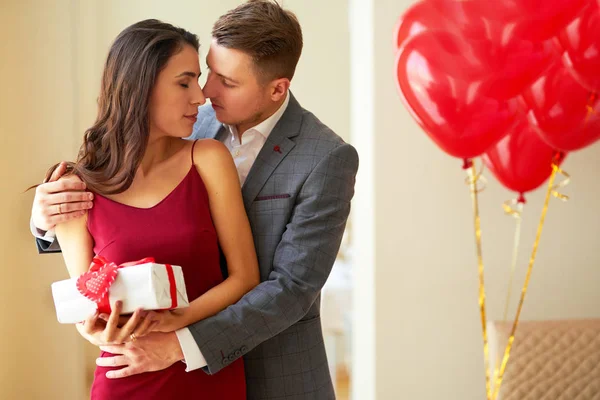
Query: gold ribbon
(552, 190)
(512, 208)
(561, 184)
(473, 179)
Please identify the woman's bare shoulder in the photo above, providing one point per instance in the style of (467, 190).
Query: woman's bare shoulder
(207, 152)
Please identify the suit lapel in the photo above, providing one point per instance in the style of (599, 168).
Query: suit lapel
(275, 149)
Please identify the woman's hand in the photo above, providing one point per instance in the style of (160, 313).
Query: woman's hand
(102, 330)
(168, 321)
(161, 321)
(154, 321)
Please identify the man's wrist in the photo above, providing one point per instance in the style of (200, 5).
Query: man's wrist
(192, 355)
(178, 354)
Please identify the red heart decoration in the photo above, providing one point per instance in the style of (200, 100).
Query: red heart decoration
(444, 85)
(95, 284)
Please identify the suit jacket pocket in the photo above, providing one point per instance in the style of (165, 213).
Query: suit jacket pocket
(273, 197)
(277, 203)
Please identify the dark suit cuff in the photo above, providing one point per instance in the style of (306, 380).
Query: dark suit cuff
(45, 247)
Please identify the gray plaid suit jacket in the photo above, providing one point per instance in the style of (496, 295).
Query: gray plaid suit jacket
(297, 196)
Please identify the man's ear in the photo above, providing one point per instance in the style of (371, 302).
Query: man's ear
(279, 88)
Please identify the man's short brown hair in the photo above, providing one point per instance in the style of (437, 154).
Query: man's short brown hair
(270, 35)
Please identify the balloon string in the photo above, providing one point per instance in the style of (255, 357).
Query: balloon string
(513, 208)
(552, 190)
(472, 180)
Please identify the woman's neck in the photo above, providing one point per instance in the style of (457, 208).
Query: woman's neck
(157, 151)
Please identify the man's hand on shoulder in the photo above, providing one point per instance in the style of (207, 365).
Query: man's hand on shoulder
(59, 200)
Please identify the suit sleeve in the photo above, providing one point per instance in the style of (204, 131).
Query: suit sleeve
(45, 247)
(302, 262)
(45, 242)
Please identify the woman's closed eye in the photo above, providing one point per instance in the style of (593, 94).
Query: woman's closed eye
(187, 83)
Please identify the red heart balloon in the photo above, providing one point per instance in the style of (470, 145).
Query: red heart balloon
(535, 20)
(516, 65)
(521, 161)
(511, 61)
(581, 42)
(441, 81)
(565, 114)
(447, 15)
(513, 58)
(418, 18)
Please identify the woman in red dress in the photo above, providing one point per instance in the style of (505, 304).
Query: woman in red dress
(158, 195)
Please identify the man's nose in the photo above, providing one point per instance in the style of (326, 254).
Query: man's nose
(208, 88)
(199, 97)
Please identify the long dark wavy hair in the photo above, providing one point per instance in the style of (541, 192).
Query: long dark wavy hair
(113, 147)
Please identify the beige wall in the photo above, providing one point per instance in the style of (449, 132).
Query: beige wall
(427, 341)
(52, 56)
(40, 358)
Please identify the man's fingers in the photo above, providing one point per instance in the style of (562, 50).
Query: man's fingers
(65, 208)
(73, 183)
(58, 172)
(60, 218)
(115, 361)
(122, 373)
(113, 348)
(68, 198)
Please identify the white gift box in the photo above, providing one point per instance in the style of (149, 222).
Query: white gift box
(145, 286)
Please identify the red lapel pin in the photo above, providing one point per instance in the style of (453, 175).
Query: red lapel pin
(277, 149)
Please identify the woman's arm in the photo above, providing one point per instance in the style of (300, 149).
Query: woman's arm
(216, 167)
(76, 244)
(78, 251)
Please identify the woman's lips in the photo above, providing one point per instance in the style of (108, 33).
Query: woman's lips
(193, 117)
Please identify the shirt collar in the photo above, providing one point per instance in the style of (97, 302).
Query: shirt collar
(266, 127)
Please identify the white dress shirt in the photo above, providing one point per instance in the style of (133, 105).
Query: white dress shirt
(48, 236)
(244, 153)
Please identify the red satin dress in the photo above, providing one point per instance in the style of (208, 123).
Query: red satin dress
(178, 231)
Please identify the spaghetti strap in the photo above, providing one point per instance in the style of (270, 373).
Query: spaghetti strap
(194, 145)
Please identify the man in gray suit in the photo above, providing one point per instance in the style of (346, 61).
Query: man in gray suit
(297, 182)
